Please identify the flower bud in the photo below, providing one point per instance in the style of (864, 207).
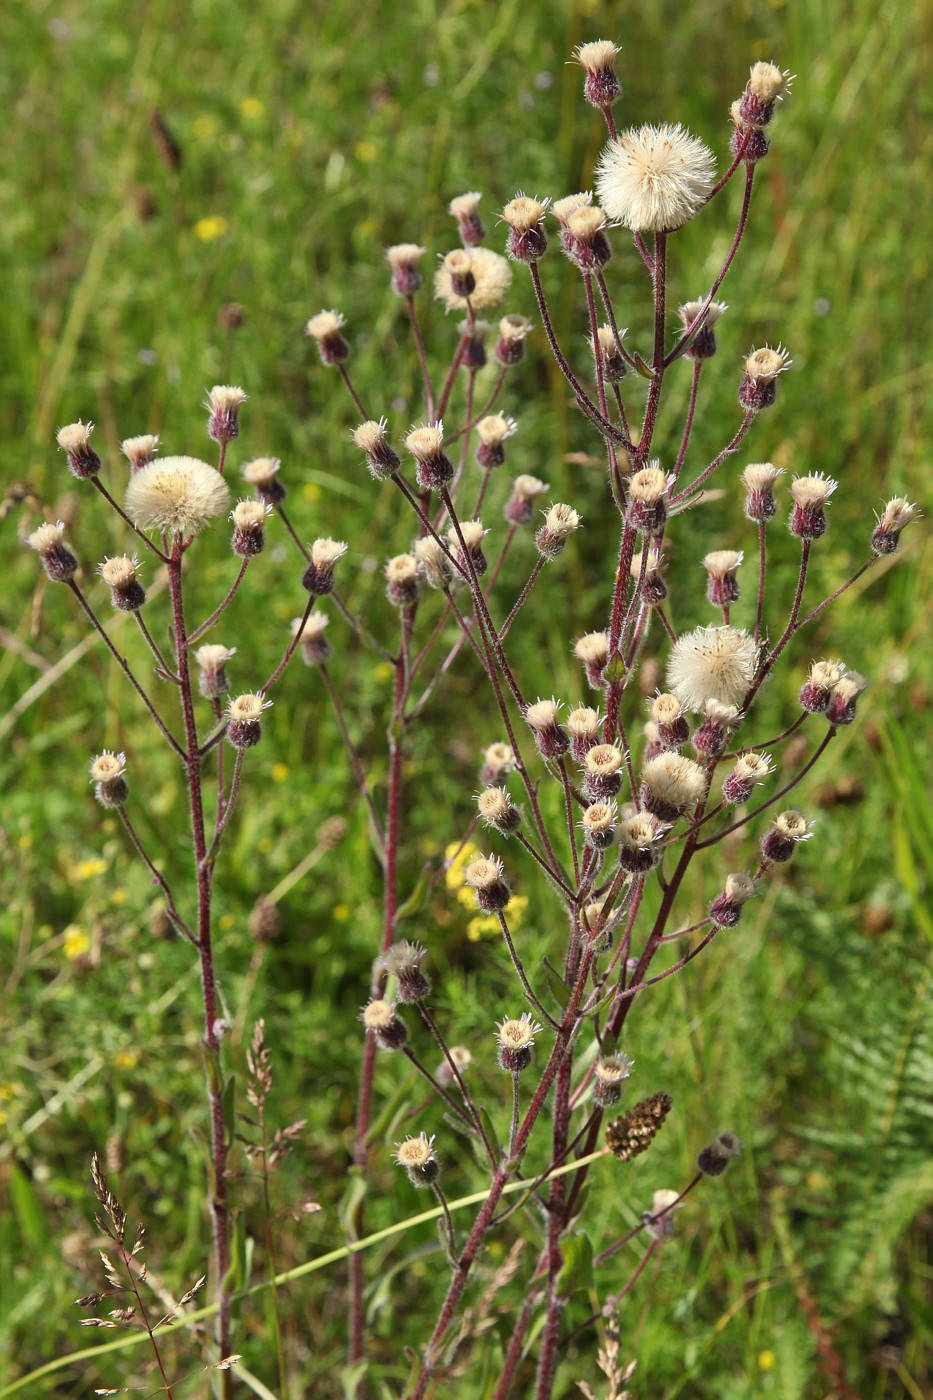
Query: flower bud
(653, 746)
(381, 458)
(54, 555)
(638, 837)
(244, 729)
(583, 725)
(722, 586)
(601, 86)
(498, 762)
(746, 141)
(584, 239)
(457, 270)
(810, 495)
(611, 1073)
(703, 343)
(492, 431)
(841, 707)
(758, 388)
(212, 661)
(602, 771)
(525, 489)
(593, 650)
(473, 534)
(262, 473)
(758, 479)
(726, 909)
(249, 527)
(434, 469)
(781, 840)
(485, 877)
(384, 1024)
(542, 720)
(608, 354)
(667, 712)
(75, 441)
(527, 237)
(515, 1039)
(647, 500)
(403, 962)
(653, 587)
(671, 785)
(473, 356)
(433, 563)
(897, 515)
(224, 402)
(750, 770)
(510, 346)
(599, 825)
(822, 678)
(401, 573)
(403, 259)
(766, 85)
(496, 809)
(315, 648)
(462, 1059)
(464, 209)
(417, 1156)
(560, 522)
(325, 330)
(318, 577)
(121, 577)
(719, 720)
(108, 772)
(714, 1159)
(140, 451)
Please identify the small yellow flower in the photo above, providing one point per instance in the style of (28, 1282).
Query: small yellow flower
(280, 772)
(126, 1059)
(76, 942)
(365, 151)
(212, 227)
(90, 869)
(264, 845)
(517, 907)
(204, 127)
(341, 913)
(459, 857)
(767, 1361)
(385, 671)
(25, 842)
(311, 491)
(8, 1089)
(118, 897)
(467, 898)
(226, 921)
(481, 925)
(252, 107)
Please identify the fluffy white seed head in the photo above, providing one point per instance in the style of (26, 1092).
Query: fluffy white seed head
(712, 663)
(180, 495)
(654, 177)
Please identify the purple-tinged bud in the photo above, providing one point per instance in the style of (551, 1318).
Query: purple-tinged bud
(583, 726)
(462, 1059)
(433, 564)
(485, 876)
(318, 577)
(211, 660)
(224, 402)
(766, 86)
(647, 500)
(703, 345)
(498, 763)
(671, 786)
(584, 239)
(403, 259)
(54, 555)
(403, 962)
(758, 479)
(602, 771)
(758, 387)
(315, 648)
(140, 451)
(611, 1073)
(384, 1024)
(249, 527)
(780, 842)
(592, 649)
(639, 836)
(262, 474)
(542, 720)
(810, 495)
(75, 441)
(653, 587)
(434, 468)
(417, 1156)
(513, 331)
(381, 458)
(569, 204)
(497, 810)
(560, 522)
(722, 586)
(520, 507)
(653, 746)
(492, 431)
(726, 909)
(121, 575)
(842, 702)
(473, 534)
(464, 209)
(515, 1040)
(608, 354)
(668, 714)
(714, 1159)
(108, 774)
(719, 720)
(527, 237)
(474, 355)
(401, 573)
(750, 770)
(822, 678)
(897, 515)
(599, 825)
(749, 142)
(457, 268)
(601, 86)
(244, 727)
(325, 330)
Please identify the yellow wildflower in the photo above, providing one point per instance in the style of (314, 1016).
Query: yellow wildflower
(89, 869)
(341, 913)
(211, 227)
(459, 857)
(126, 1059)
(252, 107)
(280, 772)
(76, 942)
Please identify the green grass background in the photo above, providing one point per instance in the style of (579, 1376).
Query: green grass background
(318, 134)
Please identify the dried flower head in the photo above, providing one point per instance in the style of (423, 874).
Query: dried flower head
(513, 332)
(726, 909)
(426, 444)
(611, 1072)
(492, 431)
(750, 769)
(722, 585)
(433, 562)
(527, 237)
(758, 387)
(822, 679)
(714, 1159)
(601, 86)
(607, 353)
(224, 402)
(647, 499)
(759, 479)
(602, 771)
(584, 238)
(810, 495)
(372, 438)
(57, 560)
(473, 533)
(462, 1059)
(75, 441)
(897, 515)
(244, 729)
(108, 774)
(497, 810)
(465, 209)
(701, 326)
(525, 490)
(667, 712)
(543, 720)
(140, 451)
(401, 574)
(592, 649)
(583, 725)
(403, 259)
(325, 329)
(842, 701)
(262, 473)
(671, 785)
(249, 527)
(787, 831)
(403, 962)
(485, 875)
(515, 1039)
(659, 1220)
(121, 575)
(766, 85)
(599, 824)
(498, 762)
(712, 663)
(488, 272)
(638, 838)
(212, 661)
(560, 522)
(178, 495)
(318, 577)
(654, 177)
(315, 648)
(648, 568)
(417, 1156)
(384, 1024)
(719, 719)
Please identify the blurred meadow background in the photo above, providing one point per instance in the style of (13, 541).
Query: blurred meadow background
(181, 186)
